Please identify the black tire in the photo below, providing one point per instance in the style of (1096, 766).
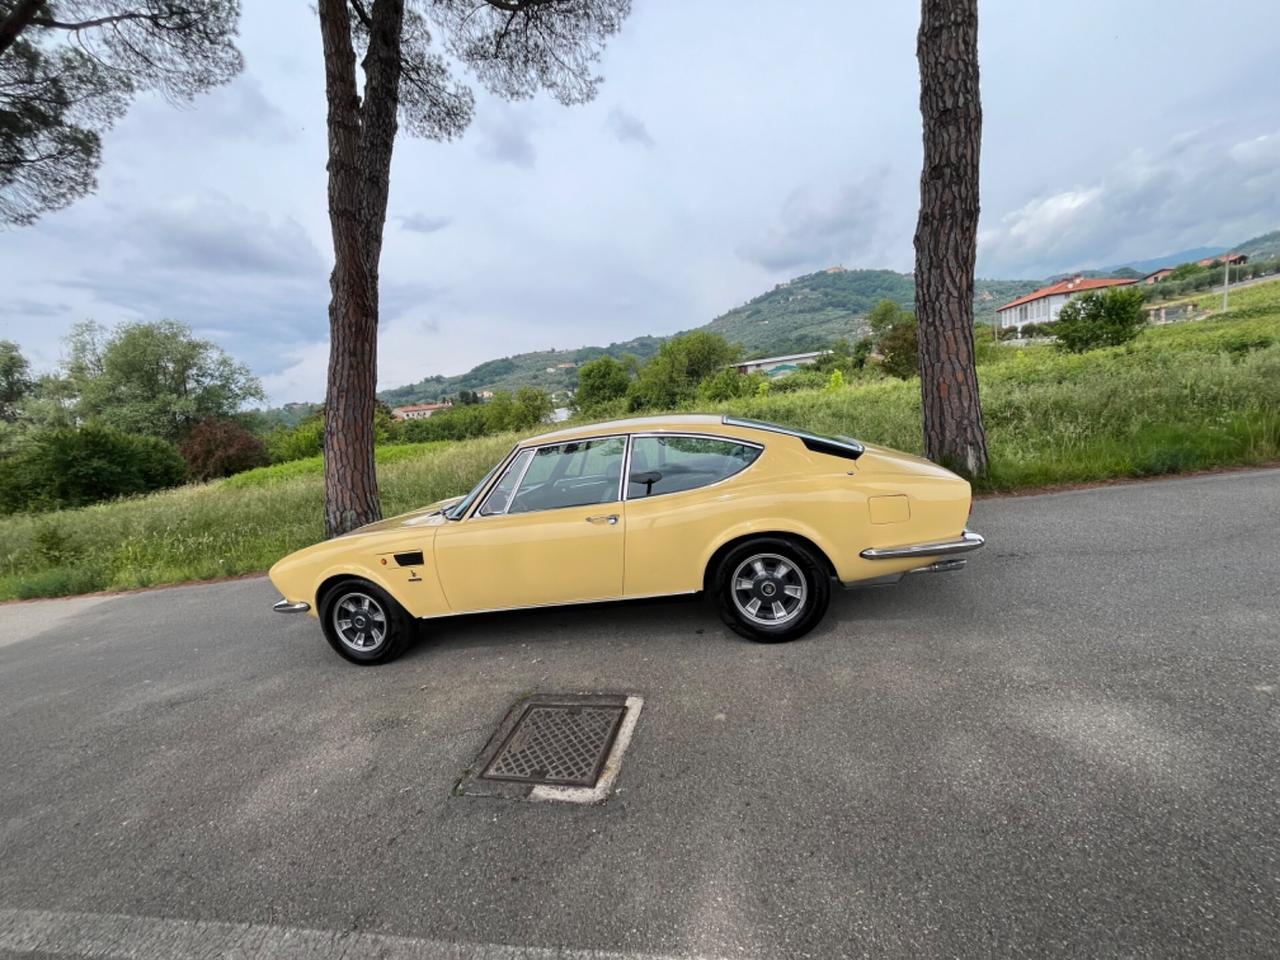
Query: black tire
(365, 601)
(778, 568)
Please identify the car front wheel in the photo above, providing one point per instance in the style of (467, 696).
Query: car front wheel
(363, 623)
(771, 590)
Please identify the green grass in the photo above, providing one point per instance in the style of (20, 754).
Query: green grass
(1182, 397)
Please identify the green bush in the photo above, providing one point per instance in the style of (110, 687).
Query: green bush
(1107, 319)
(296, 443)
(72, 468)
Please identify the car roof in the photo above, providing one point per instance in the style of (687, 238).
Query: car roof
(673, 422)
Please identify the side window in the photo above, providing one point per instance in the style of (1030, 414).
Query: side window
(499, 498)
(671, 464)
(573, 474)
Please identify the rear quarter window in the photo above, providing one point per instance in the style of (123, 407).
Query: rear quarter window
(671, 464)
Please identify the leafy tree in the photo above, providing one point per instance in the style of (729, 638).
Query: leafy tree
(72, 468)
(154, 379)
(885, 315)
(726, 384)
(835, 381)
(1100, 319)
(524, 410)
(671, 376)
(218, 447)
(862, 351)
(601, 381)
(534, 406)
(15, 380)
(68, 70)
(900, 348)
(514, 48)
(947, 234)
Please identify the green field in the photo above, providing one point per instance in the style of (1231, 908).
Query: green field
(1182, 397)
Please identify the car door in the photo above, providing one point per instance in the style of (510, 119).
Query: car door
(678, 505)
(549, 531)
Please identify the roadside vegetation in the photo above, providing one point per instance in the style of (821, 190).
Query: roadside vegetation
(1180, 397)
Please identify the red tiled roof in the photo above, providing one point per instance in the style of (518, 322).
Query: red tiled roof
(1074, 285)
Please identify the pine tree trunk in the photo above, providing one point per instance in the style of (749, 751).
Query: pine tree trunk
(946, 234)
(361, 138)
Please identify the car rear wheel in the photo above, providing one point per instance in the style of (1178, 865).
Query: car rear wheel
(363, 623)
(771, 590)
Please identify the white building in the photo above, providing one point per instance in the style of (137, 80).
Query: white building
(1044, 305)
(779, 365)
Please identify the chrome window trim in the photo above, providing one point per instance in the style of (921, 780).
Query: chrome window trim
(494, 487)
(483, 495)
(696, 436)
(749, 423)
(474, 513)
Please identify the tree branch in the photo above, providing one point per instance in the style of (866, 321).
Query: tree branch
(18, 19)
(155, 19)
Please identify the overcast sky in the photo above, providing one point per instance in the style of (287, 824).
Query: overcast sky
(733, 145)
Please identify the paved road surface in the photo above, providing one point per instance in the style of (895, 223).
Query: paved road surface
(1071, 748)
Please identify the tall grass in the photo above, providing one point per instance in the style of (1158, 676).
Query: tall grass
(1182, 397)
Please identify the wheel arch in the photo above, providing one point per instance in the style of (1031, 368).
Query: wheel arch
(797, 538)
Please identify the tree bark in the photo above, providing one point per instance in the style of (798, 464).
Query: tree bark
(947, 232)
(18, 19)
(360, 144)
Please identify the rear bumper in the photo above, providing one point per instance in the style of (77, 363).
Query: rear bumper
(968, 541)
(285, 606)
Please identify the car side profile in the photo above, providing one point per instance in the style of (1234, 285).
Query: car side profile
(761, 517)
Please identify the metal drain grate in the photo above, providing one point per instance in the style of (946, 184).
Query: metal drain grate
(559, 744)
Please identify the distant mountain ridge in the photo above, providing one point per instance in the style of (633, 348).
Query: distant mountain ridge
(805, 313)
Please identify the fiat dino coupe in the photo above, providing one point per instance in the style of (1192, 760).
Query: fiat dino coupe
(759, 516)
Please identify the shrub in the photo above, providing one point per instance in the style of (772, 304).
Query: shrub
(900, 347)
(1108, 319)
(72, 468)
(297, 443)
(218, 448)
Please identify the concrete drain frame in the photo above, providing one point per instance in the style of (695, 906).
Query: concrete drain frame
(565, 747)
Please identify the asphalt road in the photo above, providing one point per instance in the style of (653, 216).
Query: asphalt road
(1071, 748)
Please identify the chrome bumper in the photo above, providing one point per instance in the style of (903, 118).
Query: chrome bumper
(968, 541)
(284, 606)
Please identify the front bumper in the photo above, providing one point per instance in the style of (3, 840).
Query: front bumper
(968, 541)
(285, 606)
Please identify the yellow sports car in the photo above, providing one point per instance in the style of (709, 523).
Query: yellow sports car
(761, 517)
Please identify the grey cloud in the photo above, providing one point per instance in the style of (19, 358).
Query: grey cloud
(505, 138)
(1151, 202)
(423, 223)
(821, 230)
(220, 236)
(628, 128)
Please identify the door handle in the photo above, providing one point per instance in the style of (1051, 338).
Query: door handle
(610, 519)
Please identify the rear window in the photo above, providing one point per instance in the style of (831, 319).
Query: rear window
(845, 447)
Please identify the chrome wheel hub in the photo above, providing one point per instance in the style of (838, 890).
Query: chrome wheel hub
(359, 621)
(768, 589)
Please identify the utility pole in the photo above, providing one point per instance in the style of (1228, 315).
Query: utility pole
(1226, 280)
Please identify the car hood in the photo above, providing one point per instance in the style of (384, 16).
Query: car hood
(428, 516)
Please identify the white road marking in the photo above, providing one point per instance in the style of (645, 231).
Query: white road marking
(106, 936)
(608, 774)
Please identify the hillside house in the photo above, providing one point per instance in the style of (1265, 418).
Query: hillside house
(419, 411)
(1235, 259)
(1044, 305)
(779, 366)
(1155, 276)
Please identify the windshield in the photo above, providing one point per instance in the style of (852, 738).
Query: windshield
(460, 508)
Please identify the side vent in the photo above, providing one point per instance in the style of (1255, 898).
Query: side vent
(409, 559)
